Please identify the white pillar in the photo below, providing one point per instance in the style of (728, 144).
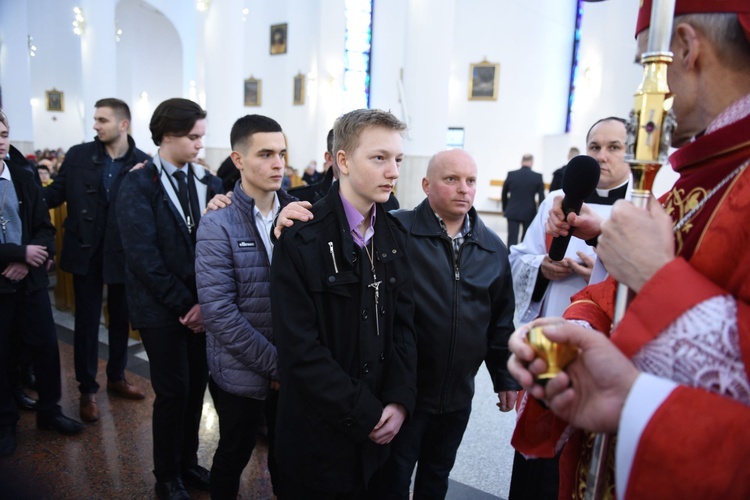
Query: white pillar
(223, 71)
(98, 57)
(15, 72)
(427, 69)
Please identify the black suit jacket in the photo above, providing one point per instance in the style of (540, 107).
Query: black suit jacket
(523, 190)
(91, 219)
(159, 250)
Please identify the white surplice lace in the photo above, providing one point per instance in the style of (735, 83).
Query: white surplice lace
(701, 349)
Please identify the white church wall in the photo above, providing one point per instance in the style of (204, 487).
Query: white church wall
(57, 65)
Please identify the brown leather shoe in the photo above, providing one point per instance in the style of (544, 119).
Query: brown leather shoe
(89, 409)
(125, 389)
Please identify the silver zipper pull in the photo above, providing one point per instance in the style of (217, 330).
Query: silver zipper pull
(333, 257)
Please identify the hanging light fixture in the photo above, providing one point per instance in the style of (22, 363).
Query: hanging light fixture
(79, 23)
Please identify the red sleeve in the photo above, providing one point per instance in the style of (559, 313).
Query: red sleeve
(537, 431)
(697, 445)
(595, 305)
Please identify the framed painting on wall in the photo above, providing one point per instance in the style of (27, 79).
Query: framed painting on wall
(55, 100)
(483, 81)
(252, 92)
(299, 90)
(278, 39)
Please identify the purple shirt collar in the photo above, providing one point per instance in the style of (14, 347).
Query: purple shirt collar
(354, 218)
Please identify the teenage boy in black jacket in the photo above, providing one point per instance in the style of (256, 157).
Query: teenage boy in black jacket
(342, 312)
(27, 239)
(158, 209)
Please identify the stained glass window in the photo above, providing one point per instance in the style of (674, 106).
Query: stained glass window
(357, 53)
(574, 63)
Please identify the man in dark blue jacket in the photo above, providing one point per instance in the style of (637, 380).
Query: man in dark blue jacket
(523, 191)
(233, 272)
(158, 209)
(27, 239)
(88, 181)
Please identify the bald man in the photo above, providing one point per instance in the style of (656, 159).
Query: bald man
(464, 316)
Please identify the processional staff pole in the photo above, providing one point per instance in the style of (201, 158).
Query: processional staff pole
(649, 135)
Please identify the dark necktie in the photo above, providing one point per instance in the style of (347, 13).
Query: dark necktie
(188, 196)
(182, 191)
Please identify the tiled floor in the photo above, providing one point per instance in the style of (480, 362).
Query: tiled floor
(111, 458)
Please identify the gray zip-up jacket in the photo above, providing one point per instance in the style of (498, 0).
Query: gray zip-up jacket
(233, 278)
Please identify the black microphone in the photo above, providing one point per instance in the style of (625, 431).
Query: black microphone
(579, 181)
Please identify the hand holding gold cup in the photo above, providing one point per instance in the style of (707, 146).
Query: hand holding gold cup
(556, 355)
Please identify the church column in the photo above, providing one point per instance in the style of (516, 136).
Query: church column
(223, 72)
(98, 58)
(15, 73)
(426, 77)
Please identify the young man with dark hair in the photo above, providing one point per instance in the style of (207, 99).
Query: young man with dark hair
(89, 180)
(233, 273)
(27, 239)
(346, 344)
(159, 208)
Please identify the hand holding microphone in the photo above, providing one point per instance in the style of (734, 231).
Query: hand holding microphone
(579, 181)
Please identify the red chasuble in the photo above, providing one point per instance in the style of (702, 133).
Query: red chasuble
(713, 249)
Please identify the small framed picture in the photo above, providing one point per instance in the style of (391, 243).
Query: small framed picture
(483, 81)
(252, 92)
(278, 39)
(299, 90)
(55, 100)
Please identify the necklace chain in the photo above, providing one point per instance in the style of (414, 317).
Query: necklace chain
(375, 285)
(713, 191)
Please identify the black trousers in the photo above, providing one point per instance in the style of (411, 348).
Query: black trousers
(534, 479)
(31, 315)
(239, 418)
(513, 229)
(179, 373)
(429, 442)
(88, 290)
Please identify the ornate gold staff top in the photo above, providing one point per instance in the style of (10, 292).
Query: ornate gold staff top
(649, 136)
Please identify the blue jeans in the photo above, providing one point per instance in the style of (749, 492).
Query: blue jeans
(433, 441)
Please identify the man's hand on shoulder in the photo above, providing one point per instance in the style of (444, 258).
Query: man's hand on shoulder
(297, 210)
(218, 202)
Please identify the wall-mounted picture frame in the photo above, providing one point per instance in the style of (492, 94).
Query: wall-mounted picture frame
(299, 90)
(483, 81)
(55, 100)
(278, 39)
(252, 92)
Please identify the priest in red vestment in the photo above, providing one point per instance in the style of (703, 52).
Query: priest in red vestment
(673, 382)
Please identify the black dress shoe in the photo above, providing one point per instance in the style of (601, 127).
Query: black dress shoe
(23, 400)
(7, 440)
(197, 477)
(171, 490)
(60, 423)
